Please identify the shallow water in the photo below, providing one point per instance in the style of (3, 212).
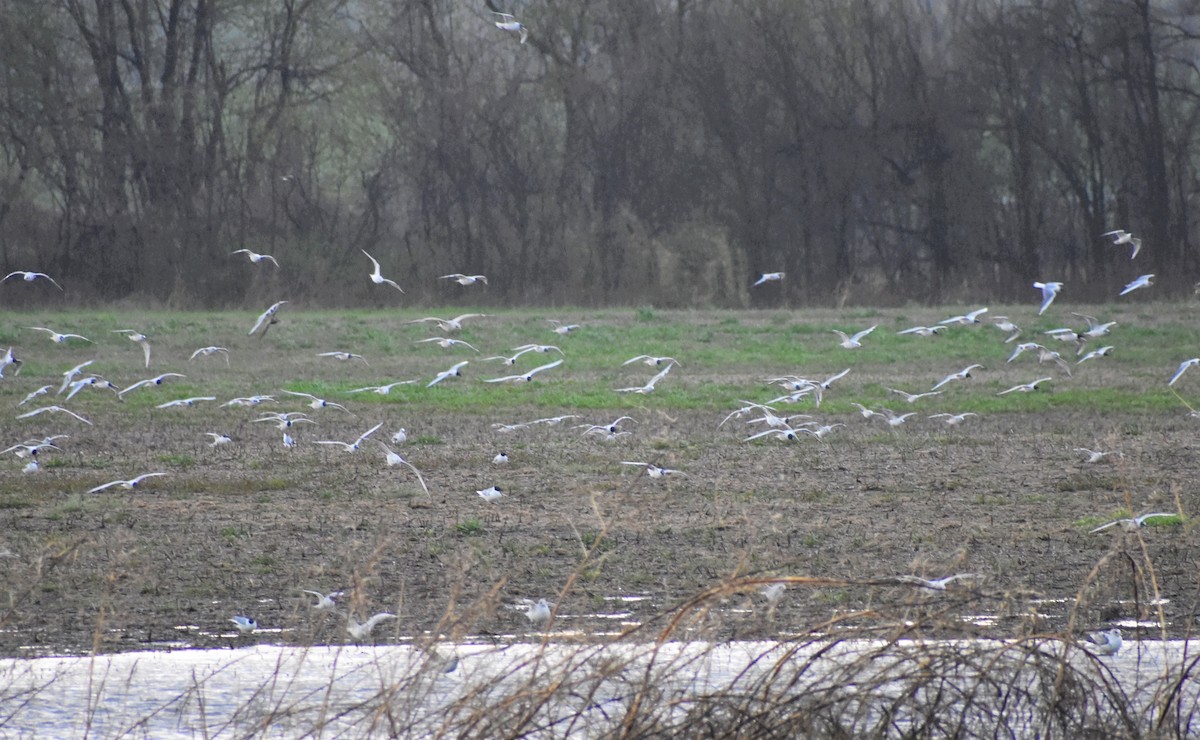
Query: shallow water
(273, 691)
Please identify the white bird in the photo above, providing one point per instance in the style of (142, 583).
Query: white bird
(1134, 523)
(350, 446)
(218, 439)
(527, 377)
(960, 375)
(56, 337)
(382, 390)
(148, 381)
(1095, 327)
(288, 442)
(611, 428)
(265, 320)
(1022, 348)
(971, 317)
(1024, 387)
(508, 22)
(128, 484)
(539, 348)
(71, 374)
(864, 411)
(8, 359)
(656, 471)
(539, 613)
(285, 420)
(501, 458)
(53, 410)
(245, 625)
(29, 277)
(1183, 366)
(361, 631)
(377, 275)
(31, 448)
(92, 381)
(446, 342)
(34, 394)
(491, 493)
(394, 458)
(773, 593)
(768, 277)
(255, 257)
(453, 371)
(206, 351)
(325, 602)
(564, 329)
(185, 402)
(400, 437)
(138, 337)
(651, 360)
(853, 341)
(1121, 236)
(32, 466)
(462, 279)
(935, 585)
(318, 403)
(953, 420)
(1004, 324)
(787, 433)
(1099, 352)
(894, 420)
(552, 420)
(344, 356)
(248, 401)
(1094, 456)
(1143, 281)
(1049, 293)
(649, 386)
(1105, 643)
(920, 331)
(449, 325)
(913, 397)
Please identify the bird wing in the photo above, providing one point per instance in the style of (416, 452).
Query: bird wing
(369, 432)
(547, 366)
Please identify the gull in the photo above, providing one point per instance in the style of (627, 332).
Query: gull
(394, 458)
(1094, 456)
(56, 337)
(1105, 643)
(377, 275)
(894, 420)
(1183, 366)
(773, 593)
(1021, 348)
(400, 437)
(449, 325)
(527, 377)
(649, 386)
(446, 342)
(344, 356)
(130, 484)
(185, 402)
(288, 442)
(248, 401)
(920, 331)
(1100, 352)
(743, 411)
(362, 631)
(325, 602)
(818, 431)
(318, 403)
(1049, 293)
(1064, 335)
(610, 428)
(1132, 524)
(1046, 355)
(1024, 387)
(285, 420)
(1095, 327)
(507, 360)
(218, 439)
(1005, 325)
(971, 317)
(508, 22)
(350, 446)
(34, 394)
(960, 375)
(953, 420)
(539, 613)
(148, 381)
(462, 279)
(53, 410)
(650, 360)
(71, 374)
(452, 372)
(777, 422)
(656, 471)
(92, 381)
(501, 458)
(853, 341)
(136, 336)
(561, 328)
(913, 397)
(936, 585)
(768, 277)
(864, 411)
(491, 493)
(32, 466)
(1121, 236)
(786, 433)
(539, 348)
(824, 384)
(552, 420)
(31, 448)
(265, 320)
(29, 277)
(206, 351)
(245, 625)
(1142, 281)
(8, 359)
(255, 257)
(382, 390)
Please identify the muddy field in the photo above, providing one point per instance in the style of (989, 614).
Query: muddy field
(241, 528)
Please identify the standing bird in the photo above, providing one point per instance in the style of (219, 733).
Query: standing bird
(377, 275)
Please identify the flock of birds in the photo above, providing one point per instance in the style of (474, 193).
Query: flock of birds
(762, 420)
